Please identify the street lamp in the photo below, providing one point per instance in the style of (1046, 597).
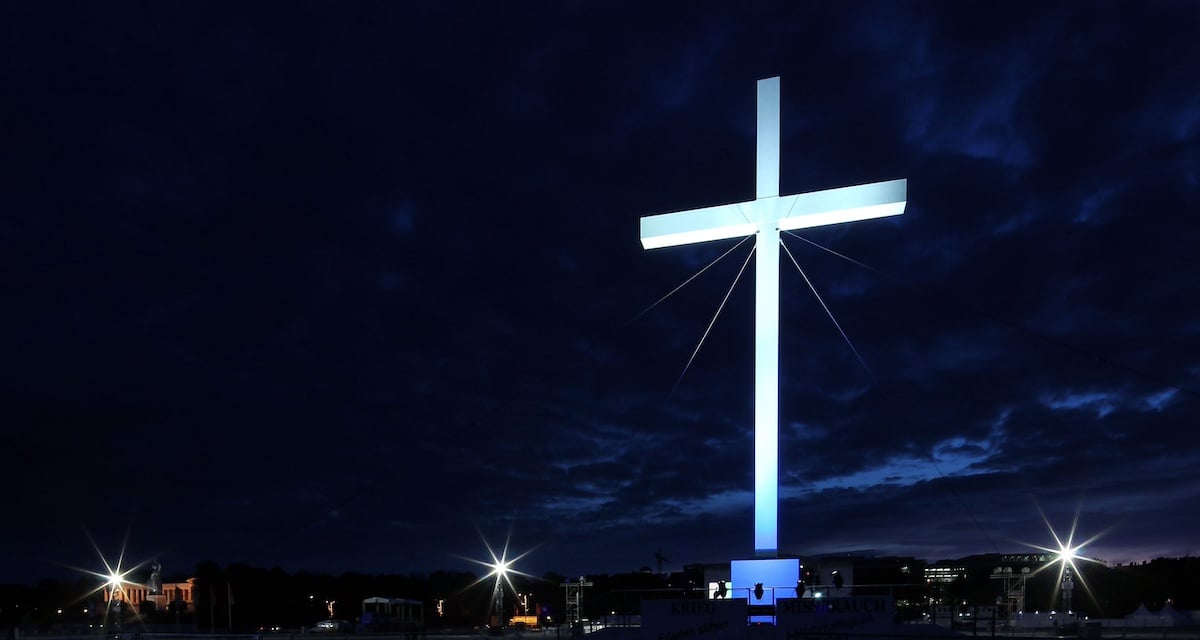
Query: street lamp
(114, 593)
(500, 570)
(1068, 585)
(1067, 556)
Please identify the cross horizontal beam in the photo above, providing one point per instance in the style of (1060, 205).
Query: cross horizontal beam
(799, 211)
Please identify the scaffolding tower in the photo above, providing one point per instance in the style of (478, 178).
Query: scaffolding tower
(574, 593)
(1013, 599)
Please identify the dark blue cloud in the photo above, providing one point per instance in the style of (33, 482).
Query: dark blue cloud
(328, 286)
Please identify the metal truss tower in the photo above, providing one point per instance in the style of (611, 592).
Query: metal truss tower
(574, 593)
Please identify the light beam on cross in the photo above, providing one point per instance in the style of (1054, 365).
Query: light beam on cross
(765, 217)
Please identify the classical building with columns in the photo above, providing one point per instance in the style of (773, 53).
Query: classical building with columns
(135, 594)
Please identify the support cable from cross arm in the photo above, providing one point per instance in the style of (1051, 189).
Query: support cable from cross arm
(686, 282)
(710, 324)
(824, 306)
(1066, 346)
(929, 454)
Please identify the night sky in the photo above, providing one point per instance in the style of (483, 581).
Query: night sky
(343, 286)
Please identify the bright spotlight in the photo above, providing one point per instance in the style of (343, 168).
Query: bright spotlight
(501, 568)
(1067, 554)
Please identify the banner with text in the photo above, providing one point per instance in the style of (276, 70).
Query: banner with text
(682, 619)
(819, 615)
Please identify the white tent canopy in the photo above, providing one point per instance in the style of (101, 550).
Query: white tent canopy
(1165, 617)
(392, 614)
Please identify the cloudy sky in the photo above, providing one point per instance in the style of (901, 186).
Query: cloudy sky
(340, 286)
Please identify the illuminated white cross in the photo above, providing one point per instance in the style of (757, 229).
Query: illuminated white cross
(766, 216)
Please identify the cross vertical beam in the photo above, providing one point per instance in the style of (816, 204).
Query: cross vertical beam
(766, 328)
(766, 216)
(766, 173)
(766, 391)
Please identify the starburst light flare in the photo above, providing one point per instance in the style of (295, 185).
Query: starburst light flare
(1065, 555)
(115, 579)
(501, 567)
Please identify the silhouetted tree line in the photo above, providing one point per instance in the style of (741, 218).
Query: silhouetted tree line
(250, 599)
